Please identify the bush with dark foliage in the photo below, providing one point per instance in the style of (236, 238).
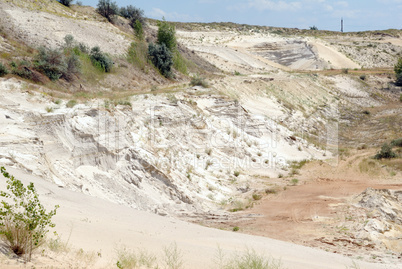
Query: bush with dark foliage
(398, 72)
(107, 9)
(133, 14)
(50, 62)
(397, 143)
(3, 70)
(73, 66)
(385, 152)
(162, 58)
(100, 59)
(67, 3)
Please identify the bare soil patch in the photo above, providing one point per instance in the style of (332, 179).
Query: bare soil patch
(322, 211)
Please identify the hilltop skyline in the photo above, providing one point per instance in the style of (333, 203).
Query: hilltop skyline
(358, 15)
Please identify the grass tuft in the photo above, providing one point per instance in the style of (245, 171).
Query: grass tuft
(71, 103)
(127, 259)
(199, 81)
(249, 259)
(137, 55)
(173, 257)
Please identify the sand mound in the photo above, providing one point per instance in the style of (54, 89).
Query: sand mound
(39, 28)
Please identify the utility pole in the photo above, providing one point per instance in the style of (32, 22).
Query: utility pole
(342, 25)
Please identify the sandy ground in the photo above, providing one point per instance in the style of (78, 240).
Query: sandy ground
(45, 29)
(312, 212)
(336, 59)
(262, 52)
(99, 226)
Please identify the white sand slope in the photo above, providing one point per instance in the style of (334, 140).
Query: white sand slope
(261, 52)
(100, 226)
(336, 59)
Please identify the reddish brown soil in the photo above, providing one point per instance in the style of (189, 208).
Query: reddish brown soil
(290, 215)
(312, 212)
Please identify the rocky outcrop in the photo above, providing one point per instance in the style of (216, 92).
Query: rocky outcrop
(384, 217)
(386, 203)
(166, 154)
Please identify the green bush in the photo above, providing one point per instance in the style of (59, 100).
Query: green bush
(314, 28)
(23, 219)
(67, 3)
(100, 59)
(139, 32)
(73, 63)
(22, 69)
(398, 72)
(162, 58)
(398, 81)
(398, 67)
(107, 9)
(167, 35)
(80, 48)
(198, 81)
(3, 70)
(50, 62)
(69, 41)
(396, 142)
(385, 152)
(73, 67)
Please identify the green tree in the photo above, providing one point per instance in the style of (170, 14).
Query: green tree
(139, 32)
(107, 9)
(398, 72)
(162, 58)
(133, 14)
(67, 3)
(24, 221)
(167, 35)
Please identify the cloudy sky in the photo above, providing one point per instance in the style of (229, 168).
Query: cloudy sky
(359, 15)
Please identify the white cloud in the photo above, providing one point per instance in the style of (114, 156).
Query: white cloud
(158, 14)
(274, 5)
(342, 4)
